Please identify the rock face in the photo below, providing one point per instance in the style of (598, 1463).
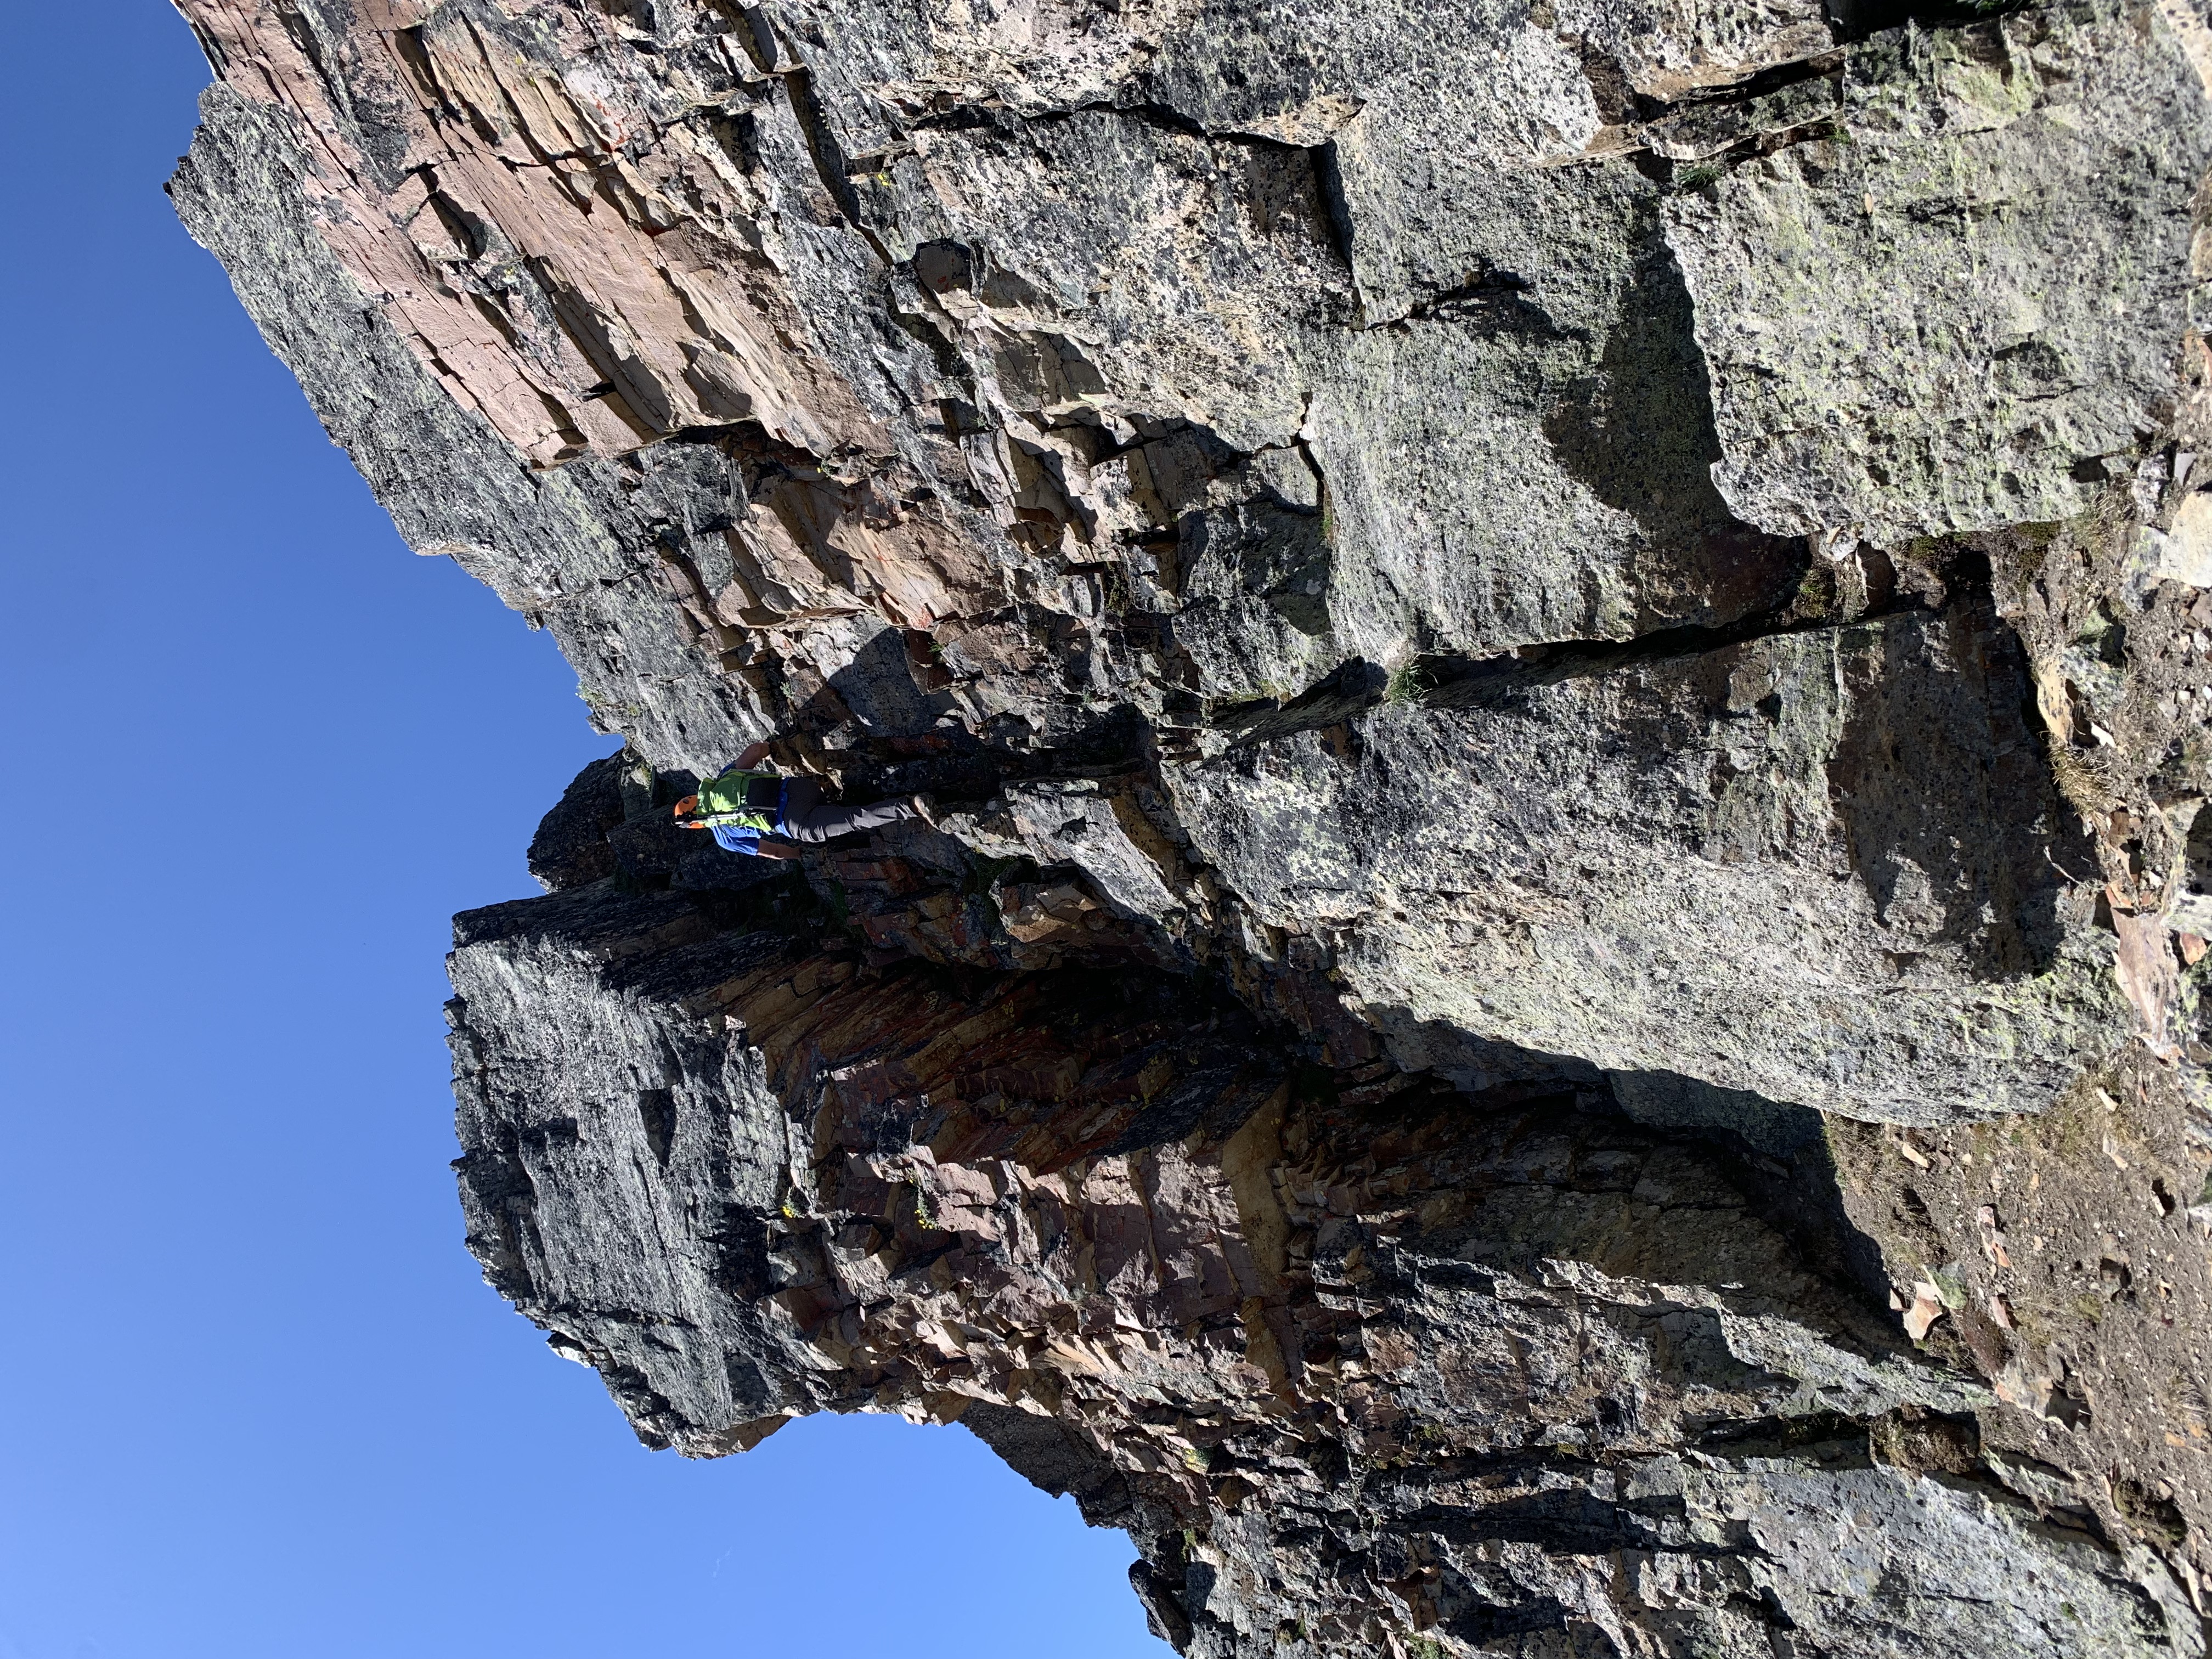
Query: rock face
(1555, 1007)
(1359, 1359)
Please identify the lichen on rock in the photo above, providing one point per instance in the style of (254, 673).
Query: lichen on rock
(1555, 1004)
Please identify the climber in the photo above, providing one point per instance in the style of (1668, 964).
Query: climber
(740, 805)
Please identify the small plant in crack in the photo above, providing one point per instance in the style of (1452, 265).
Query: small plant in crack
(1409, 683)
(925, 1215)
(1698, 176)
(985, 872)
(1113, 589)
(2085, 779)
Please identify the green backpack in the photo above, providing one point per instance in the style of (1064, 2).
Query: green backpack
(751, 801)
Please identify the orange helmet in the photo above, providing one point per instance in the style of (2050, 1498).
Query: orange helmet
(685, 807)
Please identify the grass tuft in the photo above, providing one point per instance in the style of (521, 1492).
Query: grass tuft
(1410, 683)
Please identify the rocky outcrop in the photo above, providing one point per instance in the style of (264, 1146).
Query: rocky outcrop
(1556, 1004)
(1363, 1361)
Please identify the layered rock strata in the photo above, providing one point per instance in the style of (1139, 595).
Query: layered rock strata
(1364, 1362)
(1557, 1006)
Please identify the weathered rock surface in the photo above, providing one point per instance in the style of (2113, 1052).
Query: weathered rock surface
(1566, 649)
(1772, 865)
(1361, 1360)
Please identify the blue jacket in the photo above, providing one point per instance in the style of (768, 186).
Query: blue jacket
(736, 838)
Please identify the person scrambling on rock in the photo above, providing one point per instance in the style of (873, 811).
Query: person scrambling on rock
(740, 805)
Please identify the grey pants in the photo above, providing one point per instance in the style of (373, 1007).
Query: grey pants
(807, 817)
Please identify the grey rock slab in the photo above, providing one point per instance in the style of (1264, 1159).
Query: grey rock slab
(1928, 316)
(1861, 1543)
(1824, 867)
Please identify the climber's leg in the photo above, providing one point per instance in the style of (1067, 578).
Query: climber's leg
(808, 817)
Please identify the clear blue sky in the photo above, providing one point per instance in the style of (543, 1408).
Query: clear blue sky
(254, 1400)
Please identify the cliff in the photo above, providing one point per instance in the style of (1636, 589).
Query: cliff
(1556, 1007)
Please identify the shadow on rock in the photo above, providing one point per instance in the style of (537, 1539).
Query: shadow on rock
(1939, 781)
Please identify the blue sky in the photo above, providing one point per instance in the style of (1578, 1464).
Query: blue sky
(254, 1400)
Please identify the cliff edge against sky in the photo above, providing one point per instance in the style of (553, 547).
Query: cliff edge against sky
(1557, 1008)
